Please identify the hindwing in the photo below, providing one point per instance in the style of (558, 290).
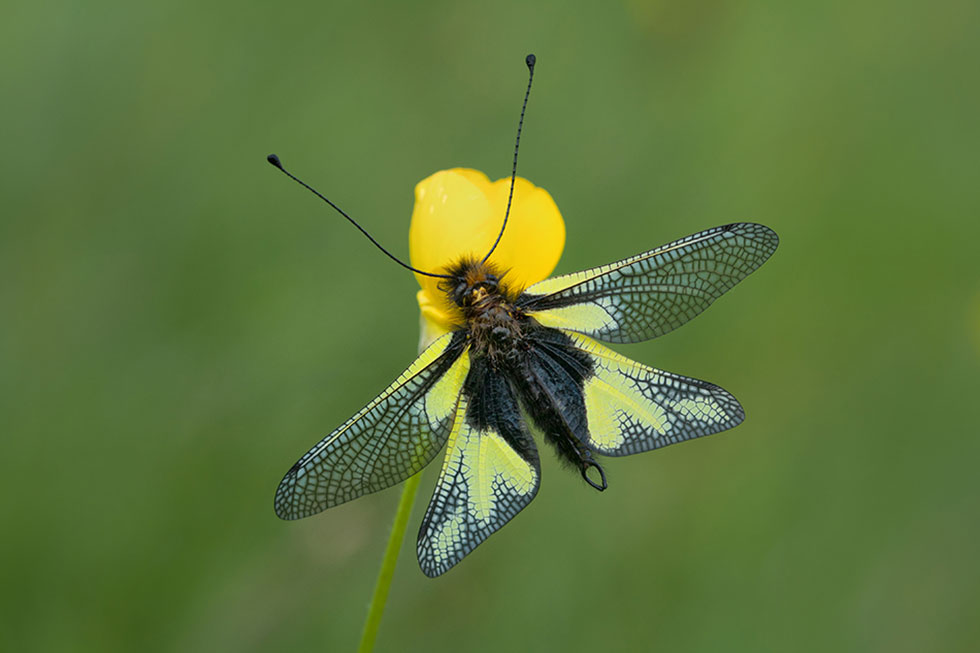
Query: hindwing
(622, 407)
(490, 473)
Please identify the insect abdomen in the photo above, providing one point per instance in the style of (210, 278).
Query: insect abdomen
(550, 380)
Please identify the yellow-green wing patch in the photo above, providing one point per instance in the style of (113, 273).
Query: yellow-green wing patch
(630, 407)
(484, 482)
(390, 439)
(647, 295)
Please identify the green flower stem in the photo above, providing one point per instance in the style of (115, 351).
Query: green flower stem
(387, 571)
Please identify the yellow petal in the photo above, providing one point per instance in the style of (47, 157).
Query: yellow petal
(459, 213)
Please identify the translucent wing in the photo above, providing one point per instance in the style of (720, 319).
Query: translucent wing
(627, 407)
(491, 472)
(390, 439)
(655, 292)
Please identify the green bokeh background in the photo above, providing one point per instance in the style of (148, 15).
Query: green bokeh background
(179, 322)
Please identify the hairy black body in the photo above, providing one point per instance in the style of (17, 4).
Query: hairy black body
(520, 367)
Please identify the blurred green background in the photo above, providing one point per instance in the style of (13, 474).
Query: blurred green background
(180, 322)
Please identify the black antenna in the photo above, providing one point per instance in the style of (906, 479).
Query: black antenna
(274, 160)
(530, 60)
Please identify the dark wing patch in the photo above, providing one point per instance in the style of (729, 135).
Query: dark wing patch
(390, 439)
(647, 295)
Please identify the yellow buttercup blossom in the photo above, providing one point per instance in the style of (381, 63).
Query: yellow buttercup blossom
(457, 214)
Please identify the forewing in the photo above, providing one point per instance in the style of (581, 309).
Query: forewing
(491, 472)
(655, 292)
(390, 439)
(629, 407)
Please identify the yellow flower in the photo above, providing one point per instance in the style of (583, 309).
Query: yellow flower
(458, 213)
